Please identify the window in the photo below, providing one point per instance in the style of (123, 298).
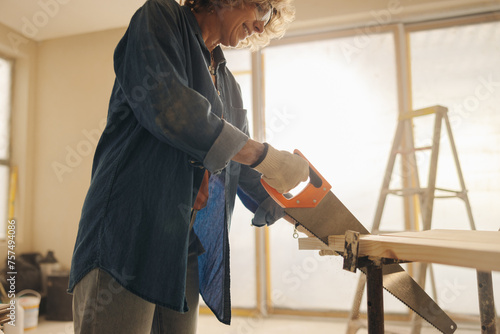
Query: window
(341, 113)
(5, 93)
(459, 67)
(242, 234)
(338, 101)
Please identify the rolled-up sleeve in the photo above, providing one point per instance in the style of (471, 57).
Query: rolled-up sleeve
(229, 142)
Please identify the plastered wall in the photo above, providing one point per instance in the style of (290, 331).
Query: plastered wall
(75, 77)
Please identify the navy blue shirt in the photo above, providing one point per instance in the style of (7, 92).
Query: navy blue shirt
(166, 124)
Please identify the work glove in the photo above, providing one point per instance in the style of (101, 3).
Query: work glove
(282, 170)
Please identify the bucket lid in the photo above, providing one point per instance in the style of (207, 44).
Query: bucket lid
(26, 300)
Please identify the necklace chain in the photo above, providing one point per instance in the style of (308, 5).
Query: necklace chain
(211, 67)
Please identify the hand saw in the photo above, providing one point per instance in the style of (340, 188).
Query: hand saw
(319, 211)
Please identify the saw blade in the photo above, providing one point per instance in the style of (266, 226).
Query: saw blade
(331, 217)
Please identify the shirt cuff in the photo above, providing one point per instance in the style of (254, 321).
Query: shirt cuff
(267, 213)
(229, 142)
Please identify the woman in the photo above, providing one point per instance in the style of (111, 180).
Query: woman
(176, 135)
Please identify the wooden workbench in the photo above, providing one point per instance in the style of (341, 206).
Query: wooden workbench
(472, 249)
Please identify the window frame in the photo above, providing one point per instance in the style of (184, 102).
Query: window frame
(7, 162)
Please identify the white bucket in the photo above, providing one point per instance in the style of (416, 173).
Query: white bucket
(18, 327)
(30, 305)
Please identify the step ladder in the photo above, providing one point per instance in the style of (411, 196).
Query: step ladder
(418, 201)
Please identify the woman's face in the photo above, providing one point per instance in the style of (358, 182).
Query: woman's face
(236, 24)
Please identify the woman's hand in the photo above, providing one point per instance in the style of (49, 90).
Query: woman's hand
(282, 170)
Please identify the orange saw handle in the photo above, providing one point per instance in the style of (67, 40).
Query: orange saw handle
(309, 197)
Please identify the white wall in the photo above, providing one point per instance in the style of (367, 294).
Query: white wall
(75, 78)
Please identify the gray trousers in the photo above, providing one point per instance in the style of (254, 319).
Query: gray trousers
(102, 306)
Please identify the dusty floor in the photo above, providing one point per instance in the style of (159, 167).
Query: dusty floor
(271, 325)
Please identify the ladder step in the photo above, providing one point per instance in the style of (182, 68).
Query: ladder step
(408, 151)
(457, 194)
(449, 190)
(414, 191)
(405, 191)
(422, 112)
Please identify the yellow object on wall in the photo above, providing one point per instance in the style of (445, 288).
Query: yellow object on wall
(12, 193)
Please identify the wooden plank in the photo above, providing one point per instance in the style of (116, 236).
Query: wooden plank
(440, 247)
(492, 237)
(464, 248)
(312, 243)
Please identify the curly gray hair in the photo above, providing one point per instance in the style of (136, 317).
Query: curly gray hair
(283, 15)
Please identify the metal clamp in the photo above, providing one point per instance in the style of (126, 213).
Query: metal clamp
(351, 248)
